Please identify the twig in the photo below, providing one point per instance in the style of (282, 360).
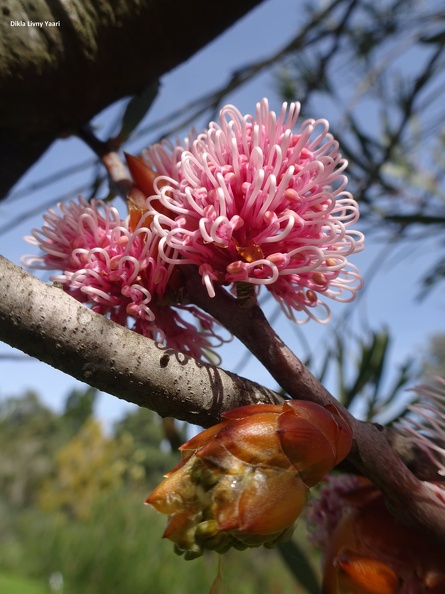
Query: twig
(120, 181)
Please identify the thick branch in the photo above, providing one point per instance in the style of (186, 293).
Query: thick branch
(46, 323)
(55, 78)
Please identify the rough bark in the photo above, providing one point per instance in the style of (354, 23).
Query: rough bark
(55, 78)
(46, 323)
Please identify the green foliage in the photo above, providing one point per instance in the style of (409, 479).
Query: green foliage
(151, 450)
(370, 383)
(79, 406)
(83, 519)
(120, 550)
(88, 465)
(297, 562)
(137, 108)
(25, 457)
(10, 584)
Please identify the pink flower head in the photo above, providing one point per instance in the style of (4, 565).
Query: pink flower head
(426, 425)
(118, 272)
(252, 201)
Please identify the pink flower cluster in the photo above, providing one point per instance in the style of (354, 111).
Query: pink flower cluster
(249, 202)
(426, 423)
(323, 512)
(115, 271)
(252, 201)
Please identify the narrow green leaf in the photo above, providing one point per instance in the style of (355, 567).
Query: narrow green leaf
(296, 561)
(137, 108)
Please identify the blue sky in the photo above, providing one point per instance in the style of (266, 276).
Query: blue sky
(389, 298)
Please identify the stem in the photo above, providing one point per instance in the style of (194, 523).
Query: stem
(120, 181)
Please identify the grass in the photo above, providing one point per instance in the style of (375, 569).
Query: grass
(120, 549)
(11, 584)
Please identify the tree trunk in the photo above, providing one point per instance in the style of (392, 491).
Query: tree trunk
(56, 77)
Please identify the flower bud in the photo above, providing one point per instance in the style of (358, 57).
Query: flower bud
(245, 481)
(144, 178)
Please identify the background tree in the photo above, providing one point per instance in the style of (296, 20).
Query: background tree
(71, 534)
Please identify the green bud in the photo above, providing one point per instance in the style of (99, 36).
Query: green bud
(203, 476)
(206, 529)
(193, 553)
